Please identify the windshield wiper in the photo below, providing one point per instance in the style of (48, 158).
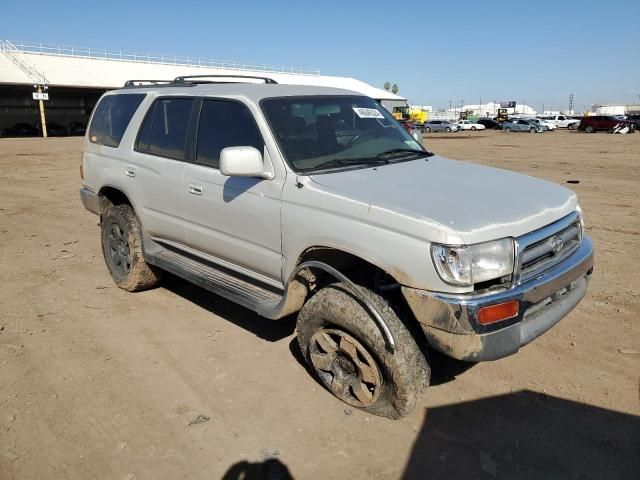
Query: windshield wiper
(341, 162)
(396, 151)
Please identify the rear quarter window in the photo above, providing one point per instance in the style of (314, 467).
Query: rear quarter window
(112, 117)
(164, 130)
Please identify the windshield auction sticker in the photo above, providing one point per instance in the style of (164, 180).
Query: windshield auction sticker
(367, 112)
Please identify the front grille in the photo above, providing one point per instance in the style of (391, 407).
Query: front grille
(541, 250)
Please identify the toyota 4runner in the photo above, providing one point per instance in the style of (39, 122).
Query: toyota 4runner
(311, 200)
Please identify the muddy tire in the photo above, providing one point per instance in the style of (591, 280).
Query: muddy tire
(346, 350)
(122, 250)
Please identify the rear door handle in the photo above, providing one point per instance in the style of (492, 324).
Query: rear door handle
(130, 172)
(195, 189)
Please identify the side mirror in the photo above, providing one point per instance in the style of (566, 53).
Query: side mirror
(241, 162)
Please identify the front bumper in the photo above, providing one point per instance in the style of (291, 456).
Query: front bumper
(450, 325)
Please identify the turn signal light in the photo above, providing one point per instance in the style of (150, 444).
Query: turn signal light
(498, 313)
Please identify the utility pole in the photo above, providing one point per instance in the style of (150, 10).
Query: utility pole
(570, 103)
(43, 121)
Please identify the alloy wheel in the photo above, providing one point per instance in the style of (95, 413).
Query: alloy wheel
(119, 250)
(345, 367)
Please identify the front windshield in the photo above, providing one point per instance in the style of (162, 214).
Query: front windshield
(328, 132)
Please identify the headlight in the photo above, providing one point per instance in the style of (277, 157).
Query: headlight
(465, 265)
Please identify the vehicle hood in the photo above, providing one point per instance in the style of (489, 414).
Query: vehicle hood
(450, 201)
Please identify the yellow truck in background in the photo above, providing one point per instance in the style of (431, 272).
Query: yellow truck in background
(410, 114)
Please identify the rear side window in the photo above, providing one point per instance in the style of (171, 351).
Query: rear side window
(111, 118)
(225, 124)
(164, 131)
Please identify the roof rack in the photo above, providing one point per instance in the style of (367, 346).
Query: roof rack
(146, 83)
(191, 78)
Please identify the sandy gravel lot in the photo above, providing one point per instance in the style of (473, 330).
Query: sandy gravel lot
(99, 383)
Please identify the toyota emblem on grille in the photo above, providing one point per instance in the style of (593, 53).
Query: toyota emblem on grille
(556, 244)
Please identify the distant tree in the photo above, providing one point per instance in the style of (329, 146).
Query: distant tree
(395, 88)
(387, 86)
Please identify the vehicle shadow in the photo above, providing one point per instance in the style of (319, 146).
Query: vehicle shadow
(270, 469)
(526, 435)
(445, 369)
(270, 330)
(235, 186)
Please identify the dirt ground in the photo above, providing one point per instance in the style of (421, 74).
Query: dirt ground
(177, 383)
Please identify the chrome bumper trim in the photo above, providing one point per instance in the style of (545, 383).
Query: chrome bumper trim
(449, 321)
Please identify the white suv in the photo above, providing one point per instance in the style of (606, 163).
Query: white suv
(316, 201)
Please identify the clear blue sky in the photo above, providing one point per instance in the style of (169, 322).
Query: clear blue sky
(529, 51)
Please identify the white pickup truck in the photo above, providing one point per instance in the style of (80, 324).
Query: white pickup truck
(562, 121)
(315, 201)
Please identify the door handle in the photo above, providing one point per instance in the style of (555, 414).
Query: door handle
(130, 172)
(195, 189)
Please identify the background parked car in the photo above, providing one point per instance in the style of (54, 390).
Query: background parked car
(469, 125)
(77, 128)
(22, 130)
(575, 124)
(545, 124)
(562, 121)
(414, 130)
(635, 119)
(607, 123)
(489, 123)
(53, 129)
(440, 126)
(522, 126)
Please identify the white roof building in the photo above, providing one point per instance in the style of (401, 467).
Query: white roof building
(490, 109)
(608, 109)
(22, 63)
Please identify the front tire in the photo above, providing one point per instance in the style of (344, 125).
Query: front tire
(448, 129)
(473, 128)
(427, 129)
(508, 130)
(347, 352)
(122, 250)
(589, 129)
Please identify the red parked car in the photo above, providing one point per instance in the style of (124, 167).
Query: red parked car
(594, 123)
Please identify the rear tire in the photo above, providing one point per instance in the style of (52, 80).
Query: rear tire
(345, 348)
(427, 129)
(473, 128)
(122, 250)
(508, 129)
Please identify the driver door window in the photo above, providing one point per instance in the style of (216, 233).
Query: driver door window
(224, 124)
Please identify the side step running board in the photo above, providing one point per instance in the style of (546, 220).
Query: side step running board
(216, 280)
(262, 299)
